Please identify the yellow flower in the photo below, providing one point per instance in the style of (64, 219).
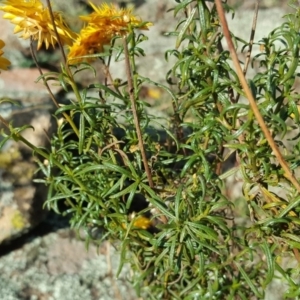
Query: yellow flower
(141, 222)
(90, 41)
(115, 20)
(34, 21)
(103, 24)
(4, 63)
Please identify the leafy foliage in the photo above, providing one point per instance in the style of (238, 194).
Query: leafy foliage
(175, 224)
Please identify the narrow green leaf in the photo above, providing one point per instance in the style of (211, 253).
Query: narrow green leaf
(289, 207)
(184, 28)
(270, 262)
(131, 188)
(156, 201)
(81, 133)
(108, 90)
(249, 281)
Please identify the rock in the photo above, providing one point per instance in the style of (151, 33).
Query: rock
(21, 200)
(21, 83)
(57, 266)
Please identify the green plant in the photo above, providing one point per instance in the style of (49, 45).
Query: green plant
(160, 190)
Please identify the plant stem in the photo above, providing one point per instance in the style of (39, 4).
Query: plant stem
(56, 33)
(66, 68)
(248, 57)
(260, 120)
(66, 116)
(131, 89)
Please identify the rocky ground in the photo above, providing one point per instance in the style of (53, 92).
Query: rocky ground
(42, 259)
(51, 263)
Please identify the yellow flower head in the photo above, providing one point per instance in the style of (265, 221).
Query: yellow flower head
(142, 222)
(34, 21)
(113, 19)
(103, 24)
(4, 63)
(90, 41)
